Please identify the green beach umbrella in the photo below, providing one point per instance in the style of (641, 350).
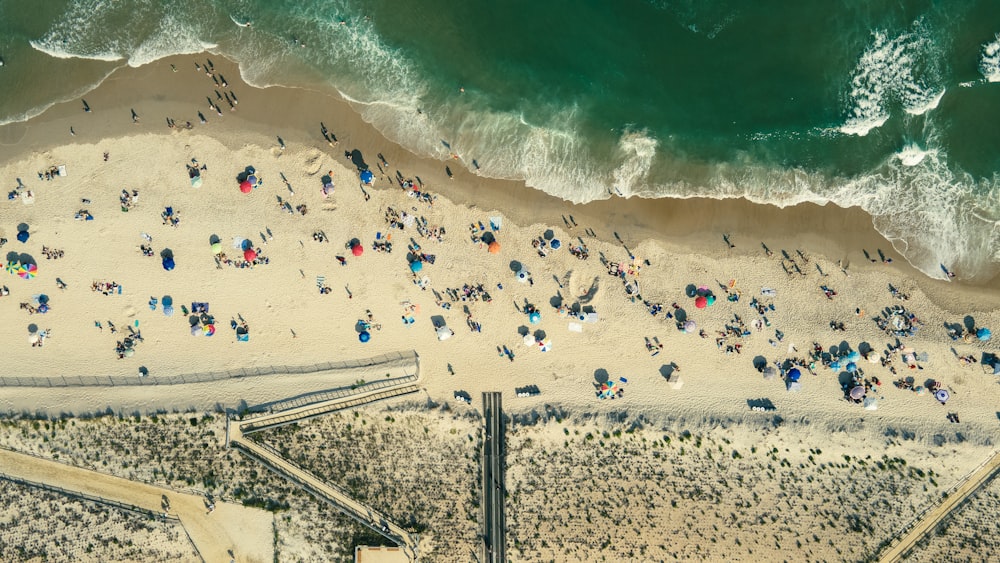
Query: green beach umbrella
(13, 267)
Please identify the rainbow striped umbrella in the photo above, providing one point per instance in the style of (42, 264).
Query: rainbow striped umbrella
(28, 271)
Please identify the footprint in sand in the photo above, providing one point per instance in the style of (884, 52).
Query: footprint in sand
(313, 162)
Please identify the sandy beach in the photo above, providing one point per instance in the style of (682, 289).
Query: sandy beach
(776, 296)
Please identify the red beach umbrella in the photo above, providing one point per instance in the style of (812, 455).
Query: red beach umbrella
(701, 302)
(357, 250)
(249, 255)
(245, 187)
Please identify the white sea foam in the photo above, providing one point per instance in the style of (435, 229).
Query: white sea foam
(900, 69)
(912, 155)
(989, 62)
(638, 151)
(172, 37)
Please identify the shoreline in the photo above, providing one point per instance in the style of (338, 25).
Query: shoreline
(695, 223)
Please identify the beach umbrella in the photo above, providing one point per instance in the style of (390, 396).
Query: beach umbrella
(246, 187)
(364, 336)
(33, 338)
(196, 330)
(416, 266)
(129, 352)
(216, 248)
(168, 310)
(853, 356)
(858, 392)
(494, 247)
(535, 317)
(523, 275)
(770, 372)
(43, 308)
(249, 255)
(984, 334)
(168, 264)
(710, 300)
(367, 177)
(852, 366)
(22, 236)
(43, 299)
(28, 271)
(793, 387)
(252, 179)
(545, 345)
(870, 404)
(529, 340)
(701, 302)
(794, 374)
(13, 267)
(689, 326)
(444, 333)
(834, 365)
(208, 329)
(196, 182)
(555, 244)
(942, 395)
(357, 250)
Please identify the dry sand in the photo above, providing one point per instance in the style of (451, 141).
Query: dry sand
(291, 323)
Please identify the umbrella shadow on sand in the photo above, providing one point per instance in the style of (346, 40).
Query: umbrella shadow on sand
(601, 375)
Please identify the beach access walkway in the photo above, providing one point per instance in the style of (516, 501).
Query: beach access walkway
(494, 489)
(935, 515)
(303, 409)
(247, 532)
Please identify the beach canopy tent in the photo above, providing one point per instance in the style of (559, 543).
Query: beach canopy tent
(249, 255)
(367, 177)
(858, 393)
(444, 333)
(246, 187)
(357, 250)
(494, 247)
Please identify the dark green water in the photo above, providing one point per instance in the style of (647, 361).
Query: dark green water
(890, 106)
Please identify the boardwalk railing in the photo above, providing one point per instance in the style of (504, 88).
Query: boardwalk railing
(329, 395)
(898, 537)
(278, 419)
(151, 514)
(202, 377)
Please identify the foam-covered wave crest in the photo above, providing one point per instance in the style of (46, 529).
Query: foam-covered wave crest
(989, 62)
(892, 70)
(138, 31)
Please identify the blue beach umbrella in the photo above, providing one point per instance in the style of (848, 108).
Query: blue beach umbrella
(416, 266)
(364, 336)
(852, 367)
(794, 374)
(853, 356)
(252, 179)
(168, 264)
(835, 365)
(555, 244)
(984, 334)
(534, 318)
(22, 236)
(367, 176)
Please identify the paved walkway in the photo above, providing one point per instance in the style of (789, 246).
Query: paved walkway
(941, 511)
(246, 531)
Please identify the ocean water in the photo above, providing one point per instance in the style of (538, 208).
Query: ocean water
(890, 106)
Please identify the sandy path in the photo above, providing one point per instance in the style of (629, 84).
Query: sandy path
(941, 511)
(246, 531)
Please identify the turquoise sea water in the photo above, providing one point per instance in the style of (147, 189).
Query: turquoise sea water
(892, 106)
